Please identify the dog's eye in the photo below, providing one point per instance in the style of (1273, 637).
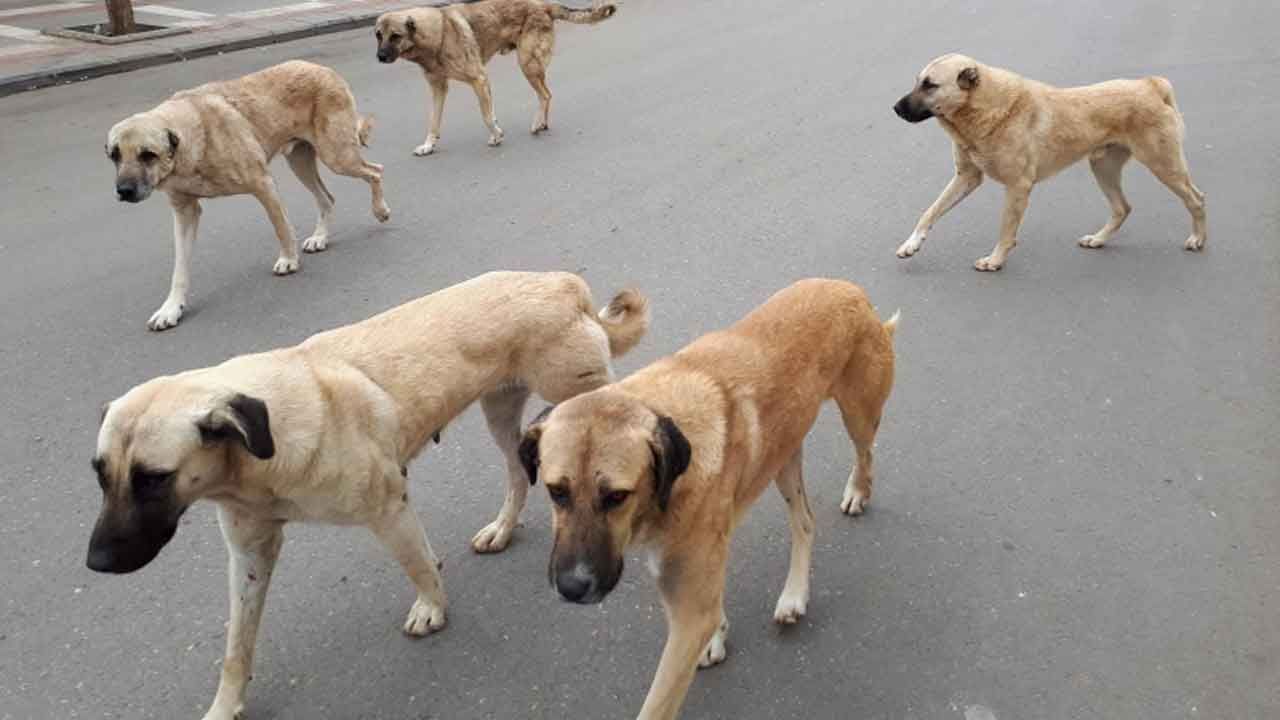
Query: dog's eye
(928, 85)
(147, 156)
(115, 154)
(394, 37)
(377, 34)
(148, 484)
(559, 495)
(615, 498)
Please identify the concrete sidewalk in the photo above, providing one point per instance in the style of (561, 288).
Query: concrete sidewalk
(29, 59)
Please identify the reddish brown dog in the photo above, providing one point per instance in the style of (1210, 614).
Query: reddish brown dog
(672, 457)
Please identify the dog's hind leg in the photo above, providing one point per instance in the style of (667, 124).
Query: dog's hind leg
(266, 194)
(186, 220)
(402, 534)
(1107, 164)
(967, 178)
(1169, 165)
(302, 159)
(795, 593)
(253, 546)
(339, 153)
(503, 409)
(481, 86)
(534, 53)
(861, 393)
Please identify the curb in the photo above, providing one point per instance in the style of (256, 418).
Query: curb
(110, 66)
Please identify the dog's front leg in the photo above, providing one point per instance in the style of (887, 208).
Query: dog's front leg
(266, 193)
(439, 90)
(692, 594)
(186, 220)
(401, 532)
(1015, 204)
(967, 178)
(253, 546)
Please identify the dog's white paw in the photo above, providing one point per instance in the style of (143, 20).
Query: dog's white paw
(1092, 241)
(495, 139)
(538, 127)
(853, 502)
(425, 617)
(1194, 243)
(493, 537)
(225, 711)
(285, 266)
(166, 317)
(911, 246)
(988, 264)
(715, 651)
(790, 609)
(315, 243)
(381, 213)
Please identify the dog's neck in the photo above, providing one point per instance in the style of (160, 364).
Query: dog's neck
(977, 122)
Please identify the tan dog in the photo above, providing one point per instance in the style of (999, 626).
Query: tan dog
(1022, 132)
(672, 457)
(219, 139)
(323, 432)
(455, 42)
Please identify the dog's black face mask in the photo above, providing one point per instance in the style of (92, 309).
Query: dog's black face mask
(393, 41)
(132, 530)
(909, 108)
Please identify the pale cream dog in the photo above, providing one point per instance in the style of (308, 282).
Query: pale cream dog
(219, 139)
(324, 431)
(1021, 132)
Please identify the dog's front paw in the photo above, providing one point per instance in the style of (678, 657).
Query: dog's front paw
(988, 264)
(1092, 241)
(219, 712)
(911, 246)
(493, 537)
(1194, 243)
(854, 502)
(495, 139)
(314, 244)
(715, 651)
(425, 617)
(789, 609)
(427, 147)
(381, 213)
(285, 266)
(166, 317)
(539, 126)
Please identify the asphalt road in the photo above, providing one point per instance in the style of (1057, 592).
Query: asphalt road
(1078, 478)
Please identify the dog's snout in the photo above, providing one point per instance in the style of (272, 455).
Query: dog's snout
(384, 55)
(577, 585)
(900, 107)
(127, 190)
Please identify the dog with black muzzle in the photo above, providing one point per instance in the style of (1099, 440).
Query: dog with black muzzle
(219, 139)
(324, 431)
(455, 42)
(1022, 132)
(672, 457)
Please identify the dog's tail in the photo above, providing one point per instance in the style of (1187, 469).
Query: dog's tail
(586, 17)
(625, 320)
(1164, 89)
(891, 325)
(364, 129)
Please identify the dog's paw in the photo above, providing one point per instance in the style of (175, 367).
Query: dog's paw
(285, 266)
(425, 617)
(495, 139)
(493, 537)
(166, 317)
(715, 651)
(1092, 241)
(911, 246)
(853, 503)
(988, 264)
(315, 244)
(381, 213)
(219, 712)
(1194, 243)
(539, 126)
(789, 609)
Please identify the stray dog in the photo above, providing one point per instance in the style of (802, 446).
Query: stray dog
(455, 42)
(324, 431)
(218, 139)
(672, 457)
(1022, 132)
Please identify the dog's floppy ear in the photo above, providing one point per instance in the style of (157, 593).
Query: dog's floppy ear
(244, 419)
(173, 141)
(528, 450)
(411, 27)
(968, 78)
(671, 453)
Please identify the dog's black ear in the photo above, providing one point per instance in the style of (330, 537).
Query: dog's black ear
(242, 418)
(103, 416)
(528, 450)
(968, 78)
(411, 27)
(671, 453)
(173, 141)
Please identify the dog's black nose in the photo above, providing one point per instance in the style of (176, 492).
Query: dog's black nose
(127, 192)
(384, 56)
(101, 559)
(574, 586)
(900, 108)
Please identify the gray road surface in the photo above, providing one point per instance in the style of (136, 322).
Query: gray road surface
(1078, 477)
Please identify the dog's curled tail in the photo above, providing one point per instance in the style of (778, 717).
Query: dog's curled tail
(891, 325)
(364, 129)
(587, 17)
(625, 320)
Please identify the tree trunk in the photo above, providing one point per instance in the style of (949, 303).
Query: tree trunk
(120, 15)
